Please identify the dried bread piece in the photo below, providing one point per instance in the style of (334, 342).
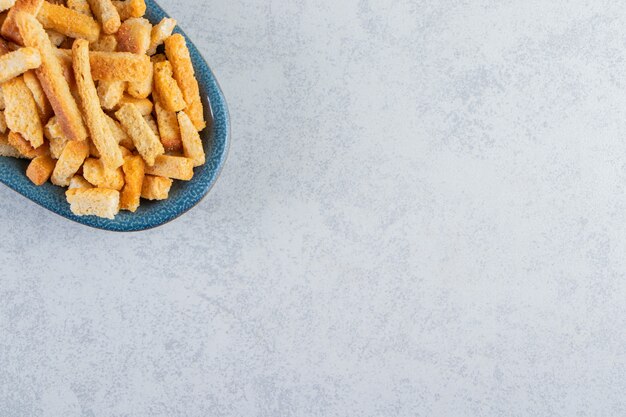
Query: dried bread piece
(169, 130)
(106, 43)
(3, 124)
(134, 173)
(25, 148)
(68, 22)
(56, 138)
(43, 105)
(174, 167)
(120, 134)
(192, 144)
(114, 66)
(156, 188)
(9, 28)
(40, 169)
(51, 76)
(97, 173)
(8, 150)
(134, 36)
(144, 105)
(178, 54)
(79, 181)
(110, 93)
(6, 4)
(146, 142)
(167, 88)
(21, 113)
(142, 89)
(81, 6)
(99, 202)
(161, 32)
(106, 14)
(18, 62)
(94, 116)
(56, 38)
(130, 8)
(71, 160)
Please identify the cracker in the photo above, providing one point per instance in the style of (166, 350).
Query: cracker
(170, 95)
(72, 158)
(178, 54)
(21, 113)
(51, 76)
(94, 116)
(106, 14)
(43, 105)
(134, 172)
(174, 167)
(192, 144)
(97, 173)
(161, 32)
(40, 169)
(68, 22)
(99, 202)
(156, 188)
(143, 137)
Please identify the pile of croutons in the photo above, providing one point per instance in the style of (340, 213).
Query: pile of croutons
(85, 95)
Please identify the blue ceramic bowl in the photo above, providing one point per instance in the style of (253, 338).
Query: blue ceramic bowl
(183, 196)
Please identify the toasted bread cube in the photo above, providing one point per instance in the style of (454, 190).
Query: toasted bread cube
(106, 43)
(6, 4)
(130, 8)
(167, 89)
(99, 202)
(18, 62)
(156, 188)
(106, 14)
(143, 137)
(68, 22)
(174, 167)
(43, 105)
(142, 89)
(78, 181)
(22, 115)
(161, 32)
(51, 76)
(80, 6)
(192, 144)
(158, 58)
(144, 105)
(134, 36)
(96, 172)
(8, 150)
(56, 137)
(113, 66)
(184, 74)
(40, 169)
(72, 158)
(134, 172)
(25, 148)
(168, 128)
(110, 93)
(9, 28)
(120, 134)
(94, 116)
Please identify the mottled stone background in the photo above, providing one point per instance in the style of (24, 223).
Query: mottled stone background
(423, 214)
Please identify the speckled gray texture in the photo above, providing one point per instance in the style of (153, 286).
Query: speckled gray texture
(423, 214)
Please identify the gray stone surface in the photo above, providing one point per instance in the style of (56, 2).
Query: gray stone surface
(423, 214)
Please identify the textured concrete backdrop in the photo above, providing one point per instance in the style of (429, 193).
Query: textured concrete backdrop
(423, 214)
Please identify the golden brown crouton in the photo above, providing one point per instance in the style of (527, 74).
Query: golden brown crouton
(143, 137)
(174, 167)
(134, 172)
(99, 202)
(40, 169)
(99, 175)
(156, 188)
